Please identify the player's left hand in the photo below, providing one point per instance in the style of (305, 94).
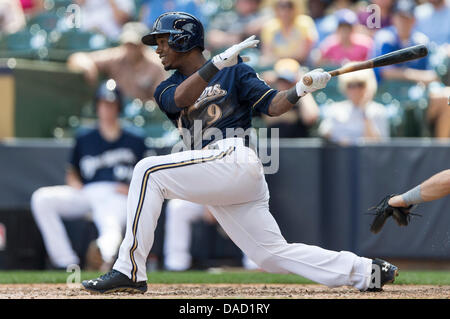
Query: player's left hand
(319, 78)
(383, 211)
(229, 57)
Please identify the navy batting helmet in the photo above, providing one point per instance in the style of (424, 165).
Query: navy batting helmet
(185, 31)
(109, 91)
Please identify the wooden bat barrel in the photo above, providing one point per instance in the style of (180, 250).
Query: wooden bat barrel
(395, 57)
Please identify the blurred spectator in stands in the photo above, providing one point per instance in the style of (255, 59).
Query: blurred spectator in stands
(433, 19)
(12, 18)
(106, 16)
(135, 68)
(367, 19)
(358, 117)
(401, 35)
(438, 114)
(298, 121)
(288, 35)
(325, 23)
(150, 10)
(32, 7)
(342, 4)
(234, 26)
(346, 44)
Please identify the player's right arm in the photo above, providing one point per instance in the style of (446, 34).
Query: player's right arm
(73, 178)
(437, 186)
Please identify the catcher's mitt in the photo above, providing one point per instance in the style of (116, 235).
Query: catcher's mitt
(383, 211)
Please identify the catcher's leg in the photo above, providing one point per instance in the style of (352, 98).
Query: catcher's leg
(255, 231)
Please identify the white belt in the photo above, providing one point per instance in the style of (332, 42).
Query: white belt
(226, 143)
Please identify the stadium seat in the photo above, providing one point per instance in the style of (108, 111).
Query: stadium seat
(78, 40)
(18, 41)
(63, 3)
(47, 20)
(74, 40)
(17, 45)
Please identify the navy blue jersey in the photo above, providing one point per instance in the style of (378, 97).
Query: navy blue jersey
(227, 102)
(97, 159)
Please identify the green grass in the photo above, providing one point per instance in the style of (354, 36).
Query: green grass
(197, 277)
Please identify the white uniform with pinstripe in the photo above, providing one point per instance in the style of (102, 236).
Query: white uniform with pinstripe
(228, 178)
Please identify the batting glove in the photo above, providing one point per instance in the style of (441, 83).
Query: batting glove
(319, 78)
(229, 57)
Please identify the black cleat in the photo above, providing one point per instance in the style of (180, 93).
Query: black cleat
(114, 281)
(382, 273)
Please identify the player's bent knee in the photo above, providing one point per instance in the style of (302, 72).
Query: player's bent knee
(40, 197)
(142, 170)
(142, 166)
(147, 163)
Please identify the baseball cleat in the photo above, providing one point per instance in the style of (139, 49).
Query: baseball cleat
(114, 281)
(382, 273)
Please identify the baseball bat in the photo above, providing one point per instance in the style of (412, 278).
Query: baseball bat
(399, 56)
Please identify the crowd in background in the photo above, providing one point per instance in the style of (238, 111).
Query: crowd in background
(296, 35)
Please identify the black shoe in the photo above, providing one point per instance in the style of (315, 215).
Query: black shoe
(382, 273)
(114, 281)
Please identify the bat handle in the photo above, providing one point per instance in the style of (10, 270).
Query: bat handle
(307, 79)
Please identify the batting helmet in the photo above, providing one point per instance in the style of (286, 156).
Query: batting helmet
(185, 31)
(109, 91)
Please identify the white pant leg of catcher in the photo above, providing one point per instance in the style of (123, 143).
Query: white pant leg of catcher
(49, 205)
(109, 212)
(234, 188)
(180, 214)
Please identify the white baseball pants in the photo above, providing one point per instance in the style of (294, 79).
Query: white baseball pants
(230, 181)
(50, 205)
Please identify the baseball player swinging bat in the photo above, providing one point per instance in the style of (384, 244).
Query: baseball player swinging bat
(395, 57)
(222, 174)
